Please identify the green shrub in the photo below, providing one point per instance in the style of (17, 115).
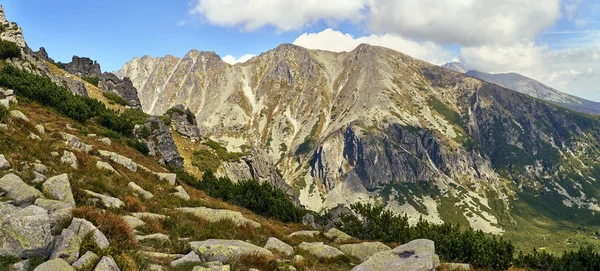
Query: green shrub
(263, 199)
(205, 160)
(60, 65)
(174, 110)
(145, 132)
(166, 119)
(136, 116)
(139, 145)
(190, 116)
(3, 113)
(92, 80)
(9, 49)
(222, 152)
(113, 97)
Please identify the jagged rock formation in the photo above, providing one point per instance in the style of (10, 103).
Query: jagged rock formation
(43, 55)
(122, 87)
(11, 31)
(161, 143)
(528, 86)
(370, 123)
(83, 67)
(184, 121)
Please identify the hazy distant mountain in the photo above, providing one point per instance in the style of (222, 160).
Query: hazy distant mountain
(531, 87)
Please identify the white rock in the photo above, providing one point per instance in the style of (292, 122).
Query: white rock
(106, 201)
(310, 234)
(40, 128)
(364, 250)
(154, 237)
(274, 244)
(4, 164)
(120, 159)
(18, 190)
(140, 191)
(74, 142)
(20, 266)
(149, 216)
(169, 177)
(224, 250)
(181, 193)
(106, 166)
(59, 188)
(16, 114)
(85, 261)
(107, 264)
(39, 168)
(39, 178)
(105, 141)
(33, 136)
(417, 255)
(191, 257)
(69, 158)
(338, 236)
(54, 265)
(133, 221)
(320, 250)
(83, 227)
(5, 102)
(66, 246)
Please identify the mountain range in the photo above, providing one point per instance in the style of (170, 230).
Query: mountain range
(531, 87)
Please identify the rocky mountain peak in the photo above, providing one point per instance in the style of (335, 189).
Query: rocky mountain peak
(84, 67)
(11, 31)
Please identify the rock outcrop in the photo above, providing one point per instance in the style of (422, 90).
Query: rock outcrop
(109, 82)
(184, 122)
(161, 143)
(416, 255)
(25, 233)
(224, 250)
(83, 67)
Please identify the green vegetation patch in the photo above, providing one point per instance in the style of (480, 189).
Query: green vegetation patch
(114, 98)
(205, 160)
(9, 49)
(92, 80)
(222, 152)
(449, 114)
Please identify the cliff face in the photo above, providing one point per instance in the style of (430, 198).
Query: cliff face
(370, 124)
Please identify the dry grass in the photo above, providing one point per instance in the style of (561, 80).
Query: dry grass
(119, 234)
(133, 204)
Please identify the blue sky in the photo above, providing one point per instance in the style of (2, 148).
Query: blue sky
(554, 41)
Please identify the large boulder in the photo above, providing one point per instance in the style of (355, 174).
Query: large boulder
(276, 245)
(83, 227)
(139, 190)
(59, 188)
(87, 260)
(161, 143)
(416, 255)
(224, 250)
(107, 264)
(66, 246)
(364, 250)
(58, 211)
(216, 215)
(338, 236)
(109, 82)
(320, 250)
(17, 190)
(26, 233)
(54, 265)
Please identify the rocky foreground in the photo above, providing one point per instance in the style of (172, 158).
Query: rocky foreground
(42, 228)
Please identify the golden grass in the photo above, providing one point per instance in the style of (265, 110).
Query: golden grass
(113, 226)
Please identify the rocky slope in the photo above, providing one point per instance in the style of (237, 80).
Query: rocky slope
(375, 125)
(528, 86)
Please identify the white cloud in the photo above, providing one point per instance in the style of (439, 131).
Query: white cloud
(283, 15)
(331, 40)
(467, 22)
(232, 60)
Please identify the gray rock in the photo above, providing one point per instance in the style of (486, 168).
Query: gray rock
(212, 266)
(191, 257)
(66, 246)
(16, 114)
(274, 244)
(59, 188)
(17, 190)
(4, 164)
(74, 142)
(57, 264)
(105, 141)
(39, 168)
(310, 234)
(133, 221)
(298, 260)
(106, 201)
(161, 143)
(33, 136)
(20, 266)
(122, 87)
(107, 264)
(83, 67)
(140, 191)
(224, 250)
(169, 177)
(52, 205)
(87, 260)
(83, 227)
(39, 178)
(417, 255)
(364, 250)
(149, 216)
(69, 158)
(5, 103)
(105, 166)
(184, 122)
(216, 215)
(120, 159)
(40, 128)
(159, 237)
(26, 233)
(181, 193)
(338, 236)
(59, 212)
(320, 250)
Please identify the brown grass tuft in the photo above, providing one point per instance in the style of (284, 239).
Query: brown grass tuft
(113, 226)
(133, 204)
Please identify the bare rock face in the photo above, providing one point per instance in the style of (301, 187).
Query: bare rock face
(42, 54)
(83, 67)
(109, 82)
(161, 143)
(11, 31)
(184, 121)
